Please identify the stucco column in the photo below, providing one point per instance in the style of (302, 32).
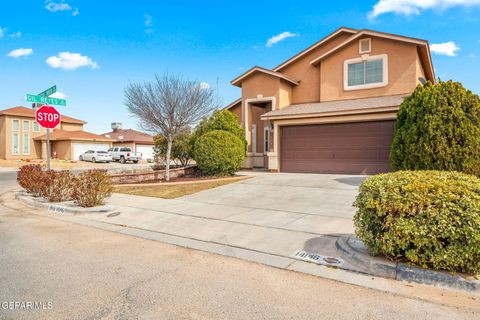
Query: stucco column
(44, 150)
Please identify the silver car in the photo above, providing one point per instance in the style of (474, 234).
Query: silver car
(96, 156)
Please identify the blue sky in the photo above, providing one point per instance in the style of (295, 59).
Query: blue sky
(92, 49)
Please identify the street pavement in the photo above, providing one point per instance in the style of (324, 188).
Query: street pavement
(85, 273)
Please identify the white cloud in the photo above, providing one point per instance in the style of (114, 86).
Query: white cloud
(57, 6)
(204, 85)
(17, 34)
(2, 32)
(58, 95)
(75, 12)
(447, 48)
(71, 61)
(280, 37)
(17, 53)
(148, 22)
(414, 7)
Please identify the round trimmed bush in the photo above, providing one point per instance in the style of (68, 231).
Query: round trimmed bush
(438, 128)
(428, 218)
(221, 120)
(219, 153)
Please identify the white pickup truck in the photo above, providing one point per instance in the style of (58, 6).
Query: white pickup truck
(124, 154)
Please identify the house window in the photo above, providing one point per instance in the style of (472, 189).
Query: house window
(366, 72)
(26, 126)
(26, 143)
(36, 126)
(16, 143)
(254, 138)
(15, 125)
(266, 140)
(364, 46)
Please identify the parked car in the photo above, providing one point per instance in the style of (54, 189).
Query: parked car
(96, 156)
(124, 154)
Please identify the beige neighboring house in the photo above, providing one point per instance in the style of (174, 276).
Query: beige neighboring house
(21, 137)
(332, 107)
(136, 140)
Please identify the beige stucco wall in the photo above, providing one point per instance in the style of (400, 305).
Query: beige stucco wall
(308, 90)
(402, 70)
(2, 138)
(237, 111)
(420, 72)
(124, 144)
(6, 138)
(71, 126)
(63, 149)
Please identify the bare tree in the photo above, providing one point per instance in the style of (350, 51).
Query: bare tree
(169, 104)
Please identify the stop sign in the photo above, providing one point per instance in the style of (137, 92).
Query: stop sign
(47, 116)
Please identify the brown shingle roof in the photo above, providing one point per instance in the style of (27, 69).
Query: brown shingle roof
(74, 135)
(29, 112)
(130, 135)
(332, 107)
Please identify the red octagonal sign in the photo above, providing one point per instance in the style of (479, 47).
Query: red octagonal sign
(47, 116)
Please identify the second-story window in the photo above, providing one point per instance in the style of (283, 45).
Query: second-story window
(365, 73)
(36, 126)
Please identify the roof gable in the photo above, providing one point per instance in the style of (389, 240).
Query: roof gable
(238, 81)
(129, 135)
(422, 44)
(314, 46)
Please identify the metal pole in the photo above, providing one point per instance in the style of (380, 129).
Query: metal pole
(48, 149)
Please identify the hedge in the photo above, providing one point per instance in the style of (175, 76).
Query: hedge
(219, 153)
(438, 128)
(428, 218)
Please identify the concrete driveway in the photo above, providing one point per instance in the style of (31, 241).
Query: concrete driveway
(270, 214)
(312, 194)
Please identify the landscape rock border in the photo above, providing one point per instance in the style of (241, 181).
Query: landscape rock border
(354, 249)
(63, 207)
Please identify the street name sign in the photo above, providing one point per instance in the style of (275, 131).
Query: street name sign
(47, 116)
(48, 92)
(40, 99)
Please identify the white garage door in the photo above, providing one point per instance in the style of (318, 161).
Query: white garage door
(79, 148)
(146, 150)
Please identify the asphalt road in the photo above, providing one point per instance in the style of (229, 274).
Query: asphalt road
(85, 273)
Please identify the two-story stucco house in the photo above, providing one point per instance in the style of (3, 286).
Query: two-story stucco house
(332, 107)
(21, 137)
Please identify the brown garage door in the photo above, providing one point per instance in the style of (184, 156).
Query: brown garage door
(350, 148)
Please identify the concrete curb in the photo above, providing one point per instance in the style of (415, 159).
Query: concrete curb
(63, 207)
(354, 249)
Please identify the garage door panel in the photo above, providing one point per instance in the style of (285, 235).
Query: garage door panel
(351, 148)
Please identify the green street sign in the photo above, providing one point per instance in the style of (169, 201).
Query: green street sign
(48, 92)
(39, 99)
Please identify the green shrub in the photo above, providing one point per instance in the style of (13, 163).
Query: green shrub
(438, 128)
(428, 218)
(182, 148)
(58, 186)
(219, 153)
(221, 120)
(92, 188)
(31, 178)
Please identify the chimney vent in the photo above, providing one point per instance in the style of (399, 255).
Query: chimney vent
(116, 126)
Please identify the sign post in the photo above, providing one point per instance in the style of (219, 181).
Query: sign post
(47, 116)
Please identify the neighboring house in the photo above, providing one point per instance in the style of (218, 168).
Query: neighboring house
(21, 137)
(332, 107)
(138, 141)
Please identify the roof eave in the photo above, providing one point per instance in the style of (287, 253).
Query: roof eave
(331, 113)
